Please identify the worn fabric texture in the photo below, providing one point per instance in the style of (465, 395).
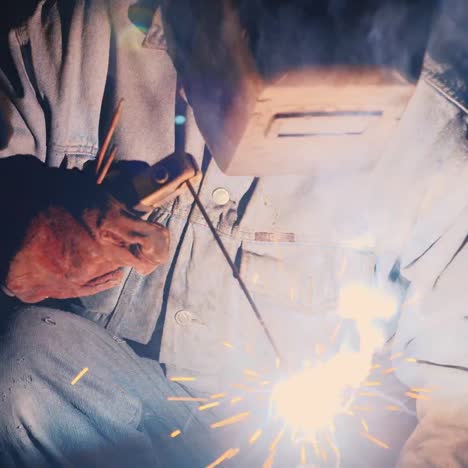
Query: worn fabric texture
(297, 240)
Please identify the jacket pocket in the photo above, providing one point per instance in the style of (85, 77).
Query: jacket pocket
(296, 287)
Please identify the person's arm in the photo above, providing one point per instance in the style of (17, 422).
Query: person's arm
(441, 348)
(62, 235)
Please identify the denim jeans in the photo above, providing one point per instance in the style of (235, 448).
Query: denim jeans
(117, 414)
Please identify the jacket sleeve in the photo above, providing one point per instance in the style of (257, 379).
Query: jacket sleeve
(440, 349)
(52, 85)
(22, 120)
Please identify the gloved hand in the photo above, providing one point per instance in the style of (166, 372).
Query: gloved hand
(63, 236)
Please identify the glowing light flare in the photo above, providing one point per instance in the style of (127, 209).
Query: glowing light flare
(176, 433)
(360, 302)
(227, 455)
(309, 400)
(79, 376)
(364, 305)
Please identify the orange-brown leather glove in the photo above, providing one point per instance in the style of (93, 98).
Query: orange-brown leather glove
(63, 236)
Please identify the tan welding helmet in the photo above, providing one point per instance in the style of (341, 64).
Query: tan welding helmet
(296, 86)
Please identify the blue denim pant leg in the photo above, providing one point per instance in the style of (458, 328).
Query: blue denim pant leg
(116, 415)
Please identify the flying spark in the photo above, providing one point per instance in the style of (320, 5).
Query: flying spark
(217, 396)
(364, 425)
(277, 440)
(208, 406)
(227, 455)
(303, 455)
(393, 408)
(422, 390)
(182, 379)
(315, 446)
(79, 376)
(391, 370)
(335, 332)
(395, 356)
(361, 408)
(232, 420)
(255, 436)
(335, 449)
(371, 384)
(417, 396)
(176, 433)
(236, 400)
(375, 440)
(251, 373)
(269, 461)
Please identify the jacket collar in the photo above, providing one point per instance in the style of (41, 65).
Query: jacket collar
(446, 64)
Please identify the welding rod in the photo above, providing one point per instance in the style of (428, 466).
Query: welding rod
(109, 135)
(234, 269)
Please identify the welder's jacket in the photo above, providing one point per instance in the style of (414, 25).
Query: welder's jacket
(296, 239)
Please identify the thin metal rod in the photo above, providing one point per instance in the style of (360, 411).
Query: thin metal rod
(107, 165)
(234, 269)
(109, 135)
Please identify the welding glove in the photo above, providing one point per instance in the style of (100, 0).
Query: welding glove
(63, 236)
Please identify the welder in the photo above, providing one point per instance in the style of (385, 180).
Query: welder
(331, 142)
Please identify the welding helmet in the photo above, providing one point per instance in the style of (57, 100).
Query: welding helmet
(288, 86)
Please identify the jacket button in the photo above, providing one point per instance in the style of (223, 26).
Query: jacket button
(221, 196)
(183, 317)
